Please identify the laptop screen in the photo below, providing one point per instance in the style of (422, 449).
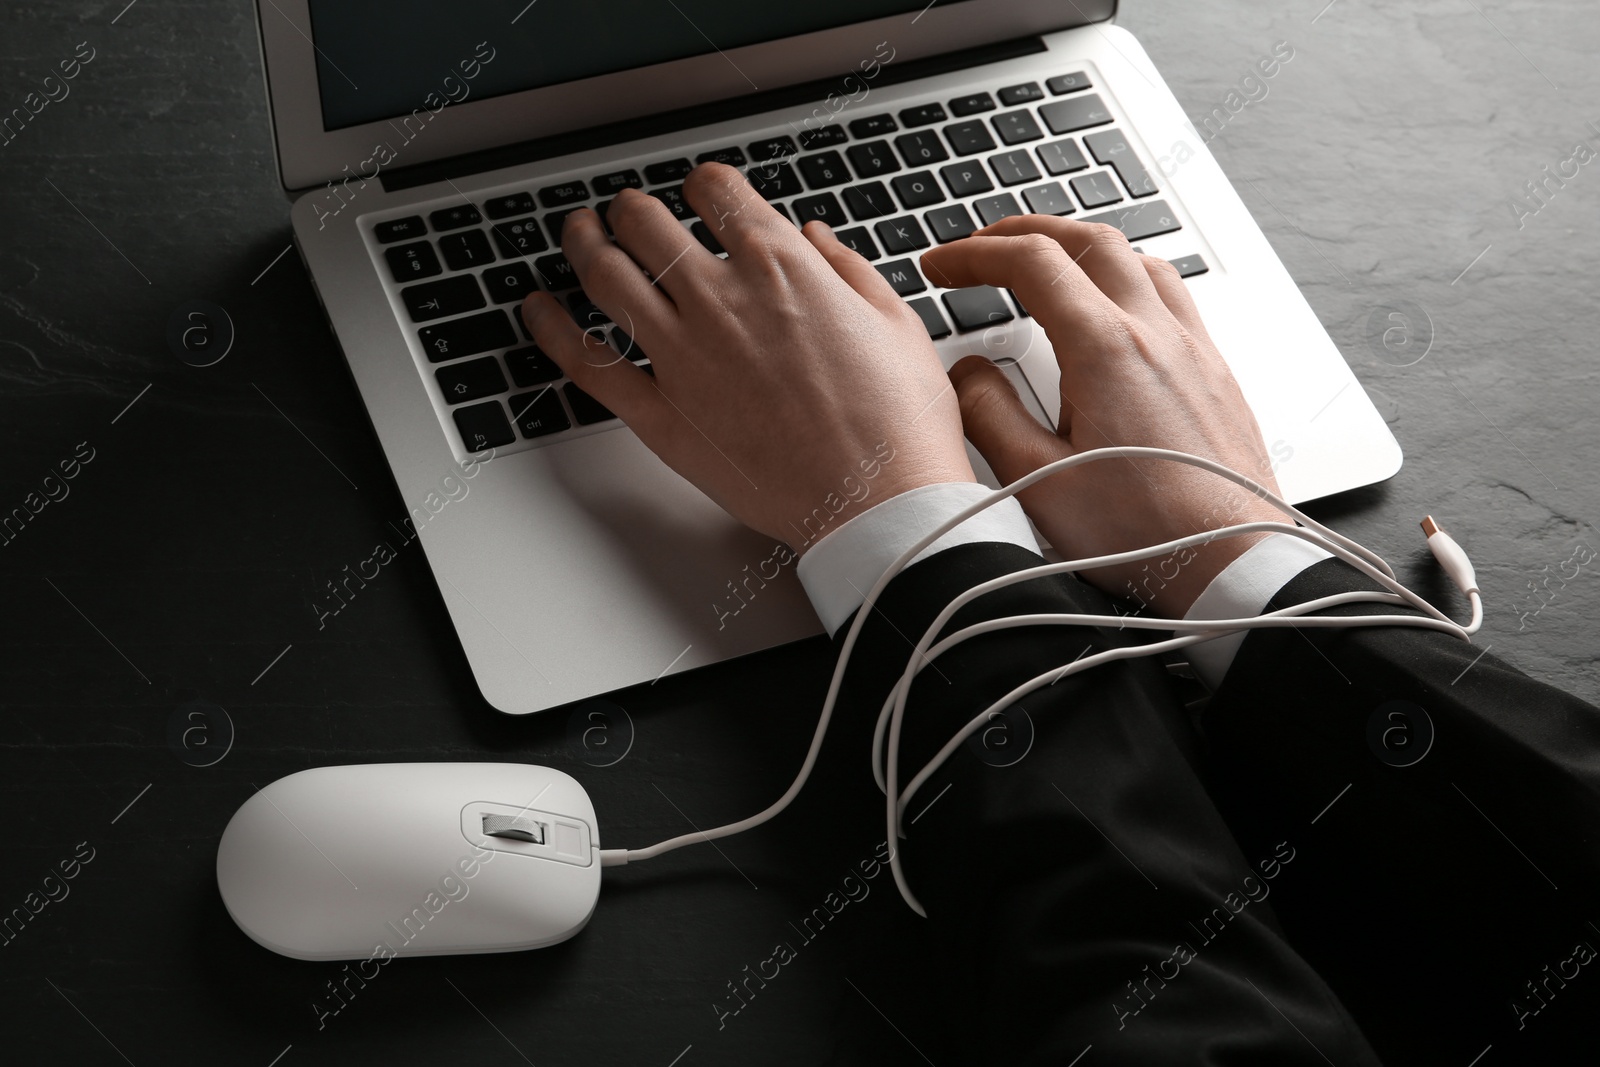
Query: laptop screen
(379, 59)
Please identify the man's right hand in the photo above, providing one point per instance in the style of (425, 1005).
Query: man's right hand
(1137, 368)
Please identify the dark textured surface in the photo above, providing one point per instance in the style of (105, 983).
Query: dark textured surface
(1381, 164)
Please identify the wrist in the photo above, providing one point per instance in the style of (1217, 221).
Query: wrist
(889, 474)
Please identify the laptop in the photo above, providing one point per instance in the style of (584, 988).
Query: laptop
(435, 151)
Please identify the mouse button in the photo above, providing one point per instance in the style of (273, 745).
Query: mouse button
(527, 831)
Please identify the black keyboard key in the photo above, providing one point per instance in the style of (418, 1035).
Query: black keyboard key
(869, 201)
(441, 299)
(1068, 83)
(538, 414)
(823, 170)
(1020, 309)
(977, 307)
(627, 346)
(969, 137)
(966, 179)
(404, 229)
(991, 209)
(1048, 199)
(556, 272)
(922, 115)
(573, 192)
(707, 239)
(484, 426)
(783, 210)
(823, 207)
(1189, 266)
(1026, 93)
(519, 238)
(902, 276)
(468, 336)
(872, 160)
(453, 218)
(614, 183)
(585, 312)
(775, 180)
(1111, 148)
(672, 196)
(1096, 190)
(971, 105)
(503, 207)
(873, 126)
(773, 148)
(918, 190)
(1014, 167)
(859, 241)
(467, 249)
(670, 170)
(585, 408)
(530, 366)
(921, 148)
(412, 262)
(949, 223)
(733, 156)
(899, 236)
(1062, 157)
(928, 312)
(1016, 127)
(824, 136)
(472, 380)
(1150, 218)
(1075, 113)
(508, 282)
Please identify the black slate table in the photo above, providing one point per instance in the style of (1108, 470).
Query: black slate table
(168, 586)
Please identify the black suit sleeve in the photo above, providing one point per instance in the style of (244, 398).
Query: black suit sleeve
(1449, 889)
(1089, 893)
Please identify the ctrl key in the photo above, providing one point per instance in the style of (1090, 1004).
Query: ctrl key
(484, 426)
(539, 413)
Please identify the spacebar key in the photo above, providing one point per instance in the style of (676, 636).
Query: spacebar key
(1138, 221)
(465, 337)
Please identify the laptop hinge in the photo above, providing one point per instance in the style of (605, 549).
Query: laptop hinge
(690, 117)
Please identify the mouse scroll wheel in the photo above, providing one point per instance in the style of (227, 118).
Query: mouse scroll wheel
(515, 827)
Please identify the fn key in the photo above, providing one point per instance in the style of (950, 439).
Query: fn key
(484, 426)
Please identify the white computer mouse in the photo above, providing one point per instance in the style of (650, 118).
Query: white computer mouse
(412, 859)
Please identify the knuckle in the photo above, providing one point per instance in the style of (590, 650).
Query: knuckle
(1157, 265)
(982, 393)
(1039, 248)
(1107, 235)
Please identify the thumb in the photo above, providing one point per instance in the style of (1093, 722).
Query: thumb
(1004, 432)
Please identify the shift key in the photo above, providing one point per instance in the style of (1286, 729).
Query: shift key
(465, 337)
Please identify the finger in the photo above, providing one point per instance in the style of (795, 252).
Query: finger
(850, 265)
(611, 278)
(1003, 431)
(1101, 251)
(736, 215)
(589, 362)
(1174, 293)
(1049, 284)
(657, 241)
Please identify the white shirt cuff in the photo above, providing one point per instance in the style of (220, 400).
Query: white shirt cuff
(841, 568)
(1242, 589)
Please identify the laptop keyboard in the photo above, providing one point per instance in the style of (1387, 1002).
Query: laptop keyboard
(890, 185)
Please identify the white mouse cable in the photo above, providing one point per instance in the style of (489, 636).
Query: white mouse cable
(1445, 550)
(618, 857)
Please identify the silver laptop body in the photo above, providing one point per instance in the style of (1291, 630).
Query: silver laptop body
(572, 561)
